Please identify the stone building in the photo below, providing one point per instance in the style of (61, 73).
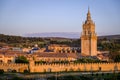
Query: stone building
(7, 58)
(63, 48)
(88, 37)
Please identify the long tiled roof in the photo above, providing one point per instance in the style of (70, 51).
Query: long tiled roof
(62, 55)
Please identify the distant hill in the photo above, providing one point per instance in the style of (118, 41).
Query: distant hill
(109, 37)
(55, 34)
(75, 35)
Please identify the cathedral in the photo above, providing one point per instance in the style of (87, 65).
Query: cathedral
(88, 37)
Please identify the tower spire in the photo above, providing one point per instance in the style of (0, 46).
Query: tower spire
(88, 10)
(88, 15)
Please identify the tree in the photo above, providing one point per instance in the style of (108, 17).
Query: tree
(115, 55)
(1, 71)
(21, 59)
(117, 58)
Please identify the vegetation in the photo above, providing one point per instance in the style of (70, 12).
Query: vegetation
(103, 76)
(1, 71)
(87, 60)
(82, 60)
(115, 56)
(21, 59)
(18, 41)
(52, 62)
(112, 45)
(109, 44)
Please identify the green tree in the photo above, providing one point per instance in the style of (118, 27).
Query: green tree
(115, 55)
(21, 59)
(117, 58)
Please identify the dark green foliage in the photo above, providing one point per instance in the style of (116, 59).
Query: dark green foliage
(115, 55)
(109, 44)
(52, 62)
(112, 45)
(87, 60)
(117, 58)
(21, 59)
(18, 41)
(40, 62)
(1, 71)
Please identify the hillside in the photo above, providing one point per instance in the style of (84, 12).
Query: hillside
(109, 37)
(11, 38)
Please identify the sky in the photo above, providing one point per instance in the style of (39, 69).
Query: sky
(19, 17)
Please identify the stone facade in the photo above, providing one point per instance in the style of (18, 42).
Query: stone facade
(89, 38)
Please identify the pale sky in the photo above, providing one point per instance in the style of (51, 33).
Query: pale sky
(18, 17)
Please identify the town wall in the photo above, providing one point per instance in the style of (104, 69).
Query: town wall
(13, 66)
(61, 67)
(76, 67)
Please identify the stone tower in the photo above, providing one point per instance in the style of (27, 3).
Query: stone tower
(88, 37)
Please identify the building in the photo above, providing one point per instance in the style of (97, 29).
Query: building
(88, 37)
(63, 48)
(7, 58)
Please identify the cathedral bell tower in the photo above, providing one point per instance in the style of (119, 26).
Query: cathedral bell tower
(88, 37)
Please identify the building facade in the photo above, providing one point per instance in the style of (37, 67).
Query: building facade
(88, 37)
